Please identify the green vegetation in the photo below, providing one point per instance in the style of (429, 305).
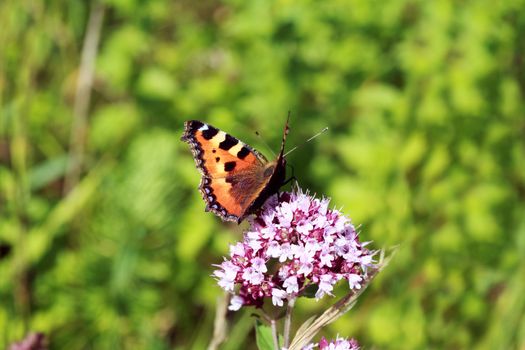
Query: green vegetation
(426, 150)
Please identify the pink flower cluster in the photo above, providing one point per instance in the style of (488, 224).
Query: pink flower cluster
(295, 242)
(337, 344)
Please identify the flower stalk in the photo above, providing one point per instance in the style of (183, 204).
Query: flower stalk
(275, 334)
(220, 324)
(288, 322)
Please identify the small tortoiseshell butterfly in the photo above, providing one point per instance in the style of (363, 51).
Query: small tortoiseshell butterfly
(236, 179)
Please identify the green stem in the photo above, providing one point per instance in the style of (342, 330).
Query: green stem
(288, 322)
(275, 336)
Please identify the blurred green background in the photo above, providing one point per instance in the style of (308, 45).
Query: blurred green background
(104, 242)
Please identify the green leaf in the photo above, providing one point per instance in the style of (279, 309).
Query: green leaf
(263, 335)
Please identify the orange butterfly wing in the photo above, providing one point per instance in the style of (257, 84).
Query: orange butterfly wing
(236, 179)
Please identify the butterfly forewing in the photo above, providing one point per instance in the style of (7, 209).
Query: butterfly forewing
(233, 173)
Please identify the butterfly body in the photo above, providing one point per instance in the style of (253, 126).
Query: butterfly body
(236, 179)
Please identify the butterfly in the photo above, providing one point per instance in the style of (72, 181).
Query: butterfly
(236, 179)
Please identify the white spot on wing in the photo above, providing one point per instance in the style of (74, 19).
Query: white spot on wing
(204, 127)
(235, 149)
(221, 135)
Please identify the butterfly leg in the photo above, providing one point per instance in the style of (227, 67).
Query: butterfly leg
(291, 177)
(286, 182)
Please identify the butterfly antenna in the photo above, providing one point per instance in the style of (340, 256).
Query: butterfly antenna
(285, 133)
(265, 143)
(305, 142)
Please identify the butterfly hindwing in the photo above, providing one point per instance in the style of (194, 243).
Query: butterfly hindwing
(233, 173)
